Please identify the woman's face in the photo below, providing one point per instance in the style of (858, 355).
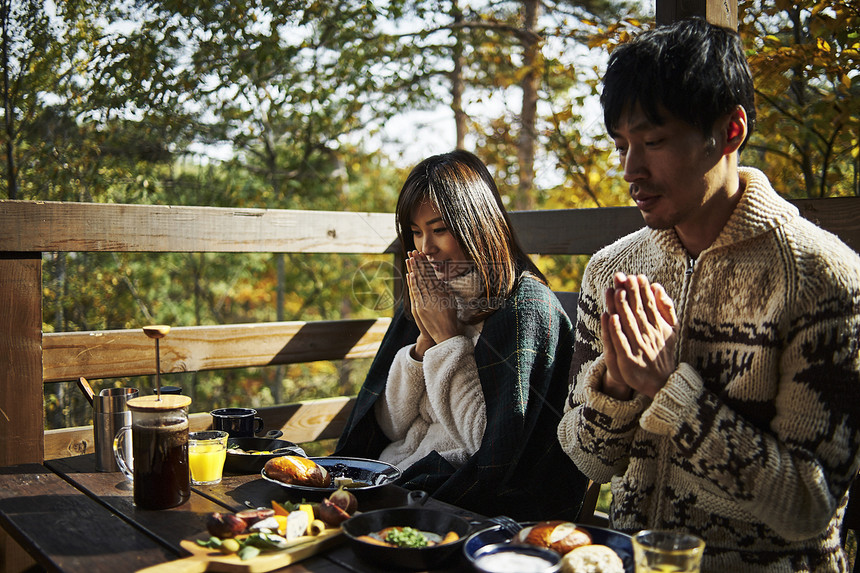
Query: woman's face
(432, 237)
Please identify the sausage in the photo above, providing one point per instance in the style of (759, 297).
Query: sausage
(373, 540)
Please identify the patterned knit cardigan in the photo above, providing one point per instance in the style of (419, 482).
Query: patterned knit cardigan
(523, 358)
(753, 442)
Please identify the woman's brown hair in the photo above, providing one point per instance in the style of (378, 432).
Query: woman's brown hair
(462, 189)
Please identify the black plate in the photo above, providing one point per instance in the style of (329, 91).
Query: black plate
(253, 463)
(373, 472)
(415, 558)
(618, 542)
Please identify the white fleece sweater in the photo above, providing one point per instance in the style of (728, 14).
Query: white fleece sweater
(436, 404)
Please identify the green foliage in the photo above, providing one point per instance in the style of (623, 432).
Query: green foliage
(805, 58)
(104, 291)
(564, 272)
(124, 102)
(604, 500)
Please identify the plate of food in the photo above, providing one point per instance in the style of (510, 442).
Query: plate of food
(406, 537)
(264, 539)
(581, 547)
(248, 455)
(327, 474)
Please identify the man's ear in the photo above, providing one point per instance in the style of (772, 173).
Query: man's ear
(735, 130)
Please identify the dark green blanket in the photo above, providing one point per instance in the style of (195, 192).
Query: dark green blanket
(520, 470)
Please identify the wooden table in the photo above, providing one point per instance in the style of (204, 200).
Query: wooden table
(72, 518)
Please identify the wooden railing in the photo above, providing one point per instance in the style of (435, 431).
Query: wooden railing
(29, 359)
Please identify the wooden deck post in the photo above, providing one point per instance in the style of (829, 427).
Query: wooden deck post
(721, 12)
(22, 408)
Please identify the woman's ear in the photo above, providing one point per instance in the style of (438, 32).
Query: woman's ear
(735, 130)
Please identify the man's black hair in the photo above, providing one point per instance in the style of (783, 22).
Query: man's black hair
(692, 69)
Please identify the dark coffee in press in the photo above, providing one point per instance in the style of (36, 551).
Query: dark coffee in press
(161, 474)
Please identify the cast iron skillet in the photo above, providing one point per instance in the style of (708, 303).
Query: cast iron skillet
(253, 463)
(416, 558)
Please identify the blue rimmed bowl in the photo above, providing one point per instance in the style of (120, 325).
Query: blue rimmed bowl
(618, 542)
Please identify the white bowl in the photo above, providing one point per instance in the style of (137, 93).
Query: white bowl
(516, 558)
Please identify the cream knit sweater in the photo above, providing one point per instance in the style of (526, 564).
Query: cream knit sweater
(436, 404)
(755, 439)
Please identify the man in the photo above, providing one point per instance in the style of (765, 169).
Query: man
(716, 365)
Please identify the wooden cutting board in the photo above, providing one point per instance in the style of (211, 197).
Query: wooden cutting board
(205, 559)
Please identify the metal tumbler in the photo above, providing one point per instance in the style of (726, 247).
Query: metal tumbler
(110, 413)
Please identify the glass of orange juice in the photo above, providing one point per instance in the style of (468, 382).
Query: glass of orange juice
(207, 452)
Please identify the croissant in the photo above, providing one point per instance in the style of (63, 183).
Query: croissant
(298, 471)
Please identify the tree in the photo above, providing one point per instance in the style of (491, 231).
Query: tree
(86, 100)
(493, 52)
(805, 57)
(294, 89)
(28, 44)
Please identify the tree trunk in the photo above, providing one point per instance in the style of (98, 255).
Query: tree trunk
(11, 179)
(857, 176)
(280, 371)
(529, 84)
(798, 90)
(457, 84)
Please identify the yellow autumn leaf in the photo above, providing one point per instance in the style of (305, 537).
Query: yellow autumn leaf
(823, 45)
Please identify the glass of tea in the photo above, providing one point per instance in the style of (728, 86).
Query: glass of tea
(207, 452)
(159, 447)
(656, 551)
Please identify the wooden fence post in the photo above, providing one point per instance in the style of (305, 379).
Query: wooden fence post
(721, 12)
(22, 408)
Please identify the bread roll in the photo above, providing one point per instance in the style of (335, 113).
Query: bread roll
(560, 536)
(298, 470)
(592, 559)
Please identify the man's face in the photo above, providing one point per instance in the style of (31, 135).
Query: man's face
(669, 168)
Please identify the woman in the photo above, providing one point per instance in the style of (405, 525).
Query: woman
(469, 383)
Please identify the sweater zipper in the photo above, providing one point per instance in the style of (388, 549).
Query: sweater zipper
(657, 510)
(681, 303)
